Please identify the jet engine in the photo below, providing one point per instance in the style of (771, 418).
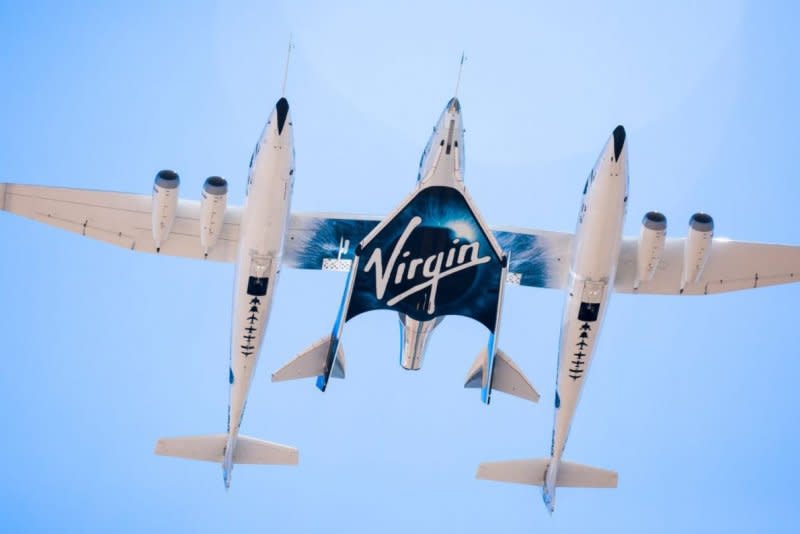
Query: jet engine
(165, 204)
(651, 245)
(212, 211)
(698, 247)
(414, 336)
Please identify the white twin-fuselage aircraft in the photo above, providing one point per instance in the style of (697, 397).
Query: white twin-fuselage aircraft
(262, 236)
(252, 236)
(596, 251)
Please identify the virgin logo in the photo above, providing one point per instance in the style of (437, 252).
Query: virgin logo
(401, 267)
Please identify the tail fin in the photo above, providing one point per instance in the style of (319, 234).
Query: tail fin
(535, 473)
(508, 378)
(311, 362)
(211, 448)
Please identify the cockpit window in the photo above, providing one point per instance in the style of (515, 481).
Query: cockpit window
(589, 180)
(422, 159)
(254, 154)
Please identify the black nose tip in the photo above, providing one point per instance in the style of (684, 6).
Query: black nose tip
(619, 140)
(282, 107)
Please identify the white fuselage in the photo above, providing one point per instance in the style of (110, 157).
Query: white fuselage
(442, 163)
(594, 262)
(263, 226)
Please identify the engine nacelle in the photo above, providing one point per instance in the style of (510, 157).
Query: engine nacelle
(165, 204)
(651, 245)
(212, 211)
(698, 248)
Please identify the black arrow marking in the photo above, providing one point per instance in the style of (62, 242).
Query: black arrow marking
(579, 355)
(252, 318)
(247, 347)
(249, 338)
(246, 354)
(582, 344)
(250, 329)
(585, 326)
(583, 335)
(574, 377)
(253, 309)
(255, 301)
(578, 363)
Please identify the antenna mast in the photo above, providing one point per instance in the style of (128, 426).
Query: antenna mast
(286, 67)
(460, 68)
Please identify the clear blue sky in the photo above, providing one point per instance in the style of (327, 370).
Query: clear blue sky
(692, 400)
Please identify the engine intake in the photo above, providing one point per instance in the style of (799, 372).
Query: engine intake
(702, 222)
(216, 185)
(165, 204)
(168, 179)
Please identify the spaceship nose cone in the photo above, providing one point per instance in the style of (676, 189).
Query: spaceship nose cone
(454, 105)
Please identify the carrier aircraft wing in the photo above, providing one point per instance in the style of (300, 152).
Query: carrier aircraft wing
(731, 266)
(122, 219)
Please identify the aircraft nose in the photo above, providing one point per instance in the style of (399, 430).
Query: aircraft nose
(454, 106)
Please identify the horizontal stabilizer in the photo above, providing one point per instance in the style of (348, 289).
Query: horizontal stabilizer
(569, 475)
(311, 362)
(508, 378)
(211, 448)
(572, 475)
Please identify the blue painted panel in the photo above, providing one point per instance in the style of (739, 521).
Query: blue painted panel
(432, 259)
(315, 239)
